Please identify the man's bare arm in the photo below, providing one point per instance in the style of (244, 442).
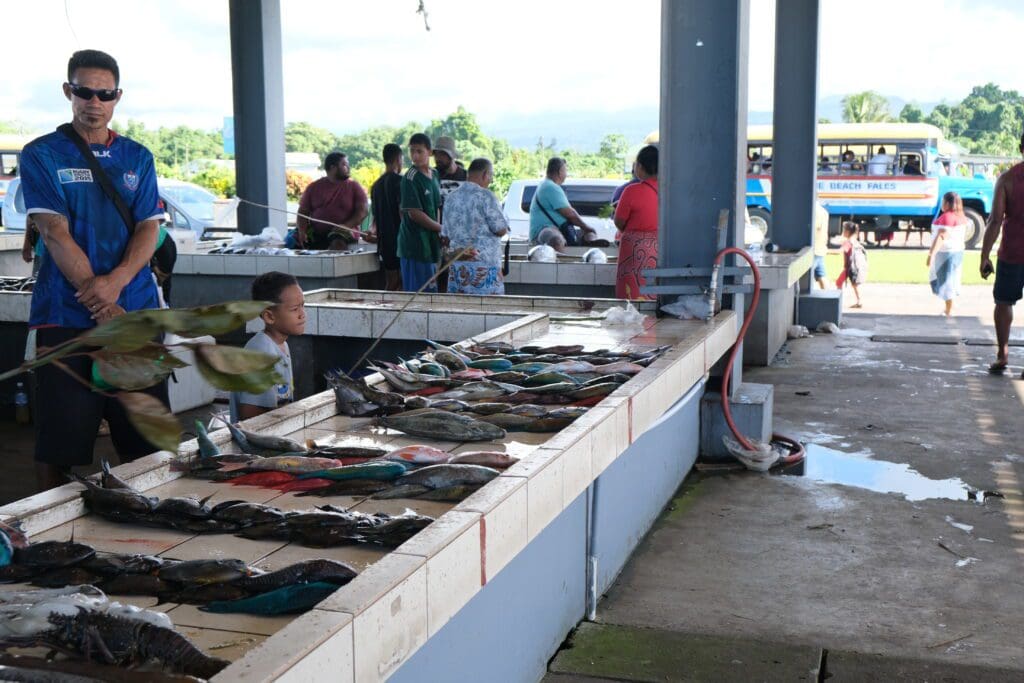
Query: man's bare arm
(574, 218)
(103, 290)
(995, 219)
(421, 219)
(69, 257)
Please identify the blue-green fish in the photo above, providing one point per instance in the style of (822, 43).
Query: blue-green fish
(207, 448)
(380, 471)
(287, 600)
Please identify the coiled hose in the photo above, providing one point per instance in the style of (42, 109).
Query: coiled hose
(796, 449)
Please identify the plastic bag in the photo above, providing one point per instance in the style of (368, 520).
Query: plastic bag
(267, 236)
(827, 327)
(797, 332)
(542, 253)
(595, 256)
(623, 316)
(689, 307)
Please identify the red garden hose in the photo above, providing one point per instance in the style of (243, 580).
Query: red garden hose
(796, 450)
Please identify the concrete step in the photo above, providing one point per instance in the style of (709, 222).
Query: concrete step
(596, 653)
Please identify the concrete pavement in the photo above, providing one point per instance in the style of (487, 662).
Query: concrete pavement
(904, 585)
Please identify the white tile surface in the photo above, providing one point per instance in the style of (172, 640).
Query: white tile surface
(265, 264)
(576, 476)
(305, 266)
(456, 326)
(240, 264)
(208, 264)
(334, 660)
(344, 322)
(410, 325)
(391, 629)
(538, 273)
(574, 274)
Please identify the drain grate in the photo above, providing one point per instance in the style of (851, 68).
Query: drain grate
(947, 340)
(916, 339)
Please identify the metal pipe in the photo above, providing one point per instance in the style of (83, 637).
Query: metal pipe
(591, 603)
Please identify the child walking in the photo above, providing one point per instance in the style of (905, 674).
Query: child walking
(855, 261)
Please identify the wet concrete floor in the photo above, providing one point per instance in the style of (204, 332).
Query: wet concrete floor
(886, 559)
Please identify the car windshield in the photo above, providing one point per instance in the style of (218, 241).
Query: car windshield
(194, 200)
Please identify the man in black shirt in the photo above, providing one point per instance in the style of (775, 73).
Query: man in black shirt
(385, 196)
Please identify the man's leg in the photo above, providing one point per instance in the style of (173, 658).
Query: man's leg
(67, 415)
(129, 444)
(392, 280)
(1004, 320)
(820, 281)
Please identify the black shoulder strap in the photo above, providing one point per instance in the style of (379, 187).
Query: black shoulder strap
(541, 205)
(100, 175)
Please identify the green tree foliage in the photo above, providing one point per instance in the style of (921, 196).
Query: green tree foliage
(988, 121)
(911, 113)
(175, 151)
(866, 107)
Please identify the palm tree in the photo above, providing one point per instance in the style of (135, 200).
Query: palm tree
(866, 107)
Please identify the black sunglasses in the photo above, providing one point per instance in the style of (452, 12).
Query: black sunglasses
(84, 93)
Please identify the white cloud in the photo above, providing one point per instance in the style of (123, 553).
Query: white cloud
(348, 65)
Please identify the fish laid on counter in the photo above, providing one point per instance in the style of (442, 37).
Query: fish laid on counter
(251, 442)
(492, 459)
(355, 398)
(443, 426)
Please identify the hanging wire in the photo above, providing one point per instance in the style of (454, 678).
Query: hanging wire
(67, 16)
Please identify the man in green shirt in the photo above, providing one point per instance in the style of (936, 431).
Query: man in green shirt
(419, 237)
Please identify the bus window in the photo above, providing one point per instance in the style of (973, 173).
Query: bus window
(910, 164)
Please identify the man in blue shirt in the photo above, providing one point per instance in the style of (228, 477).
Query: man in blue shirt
(94, 267)
(550, 211)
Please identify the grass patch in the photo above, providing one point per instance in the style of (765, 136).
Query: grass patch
(904, 266)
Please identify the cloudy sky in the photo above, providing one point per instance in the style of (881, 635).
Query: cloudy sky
(349, 65)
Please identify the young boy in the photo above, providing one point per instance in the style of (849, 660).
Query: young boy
(286, 317)
(855, 261)
(419, 237)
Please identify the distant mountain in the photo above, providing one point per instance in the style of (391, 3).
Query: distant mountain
(579, 130)
(583, 130)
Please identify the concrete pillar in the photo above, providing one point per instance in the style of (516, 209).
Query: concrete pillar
(257, 82)
(795, 148)
(703, 137)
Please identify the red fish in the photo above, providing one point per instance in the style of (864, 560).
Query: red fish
(418, 455)
(304, 485)
(428, 391)
(470, 373)
(267, 479)
(587, 402)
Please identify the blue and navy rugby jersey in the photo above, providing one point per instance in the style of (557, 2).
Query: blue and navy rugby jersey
(57, 180)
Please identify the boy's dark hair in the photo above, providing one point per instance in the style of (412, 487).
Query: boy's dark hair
(333, 159)
(391, 153)
(420, 139)
(850, 228)
(268, 287)
(93, 59)
(555, 165)
(648, 159)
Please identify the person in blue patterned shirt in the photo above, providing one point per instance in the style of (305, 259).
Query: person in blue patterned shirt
(94, 267)
(472, 218)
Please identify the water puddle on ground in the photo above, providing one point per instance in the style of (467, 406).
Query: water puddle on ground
(830, 466)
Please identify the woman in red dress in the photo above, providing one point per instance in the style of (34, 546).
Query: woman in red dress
(637, 217)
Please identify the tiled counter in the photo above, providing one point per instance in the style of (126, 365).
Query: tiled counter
(11, 263)
(566, 278)
(490, 589)
(204, 278)
(780, 274)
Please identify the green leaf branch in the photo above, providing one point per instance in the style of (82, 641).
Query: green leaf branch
(128, 358)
